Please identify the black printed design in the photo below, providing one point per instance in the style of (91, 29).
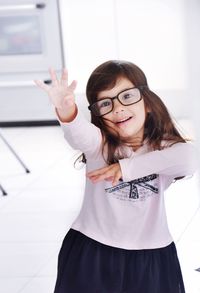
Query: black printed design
(134, 190)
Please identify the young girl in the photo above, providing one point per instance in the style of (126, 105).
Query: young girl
(120, 242)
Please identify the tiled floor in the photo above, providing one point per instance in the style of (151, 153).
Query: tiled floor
(41, 205)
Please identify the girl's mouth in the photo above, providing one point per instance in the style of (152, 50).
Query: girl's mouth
(123, 121)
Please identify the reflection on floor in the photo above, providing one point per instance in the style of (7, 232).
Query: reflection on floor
(40, 207)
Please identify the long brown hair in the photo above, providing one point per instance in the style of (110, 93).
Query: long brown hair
(158, 124)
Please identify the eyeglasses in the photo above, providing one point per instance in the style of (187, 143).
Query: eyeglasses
(126, 97)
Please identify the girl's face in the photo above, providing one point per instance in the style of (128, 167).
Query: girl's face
(127, 121)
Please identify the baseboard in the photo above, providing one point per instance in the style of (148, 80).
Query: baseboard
(29, 123)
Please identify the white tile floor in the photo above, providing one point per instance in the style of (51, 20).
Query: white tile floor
(40, 207)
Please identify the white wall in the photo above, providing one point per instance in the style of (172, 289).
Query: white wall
(192, 29)
(89, 35)
(150, 33)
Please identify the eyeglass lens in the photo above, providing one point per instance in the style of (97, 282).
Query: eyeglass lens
(127, 97)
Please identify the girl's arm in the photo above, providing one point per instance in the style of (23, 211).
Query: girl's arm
(175, 161)
(79, 132)
(83, 135)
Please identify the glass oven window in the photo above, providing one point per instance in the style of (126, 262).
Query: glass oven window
(20, 35)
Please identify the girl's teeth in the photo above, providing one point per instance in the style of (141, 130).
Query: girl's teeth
(123, 120)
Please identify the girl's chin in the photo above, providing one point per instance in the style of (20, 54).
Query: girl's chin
(128, 138)
(125, 133)
(131, 137)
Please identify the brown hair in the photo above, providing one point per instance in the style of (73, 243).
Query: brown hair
(158, 124)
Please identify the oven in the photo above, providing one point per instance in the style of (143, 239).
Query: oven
(30, 42)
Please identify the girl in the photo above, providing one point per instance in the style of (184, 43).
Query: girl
(120, 242)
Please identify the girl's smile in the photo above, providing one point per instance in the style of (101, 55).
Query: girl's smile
(123, 122)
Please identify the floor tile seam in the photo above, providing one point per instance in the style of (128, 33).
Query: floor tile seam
(38, 212)
(26, 277)
(37, 273)
(188, 225)
(32, 182)
(30, 242)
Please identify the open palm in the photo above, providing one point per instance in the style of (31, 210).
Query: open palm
(60, 93)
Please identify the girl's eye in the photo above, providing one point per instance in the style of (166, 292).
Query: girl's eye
(127, 96)
(105, 104)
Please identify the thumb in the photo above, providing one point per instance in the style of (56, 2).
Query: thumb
(73, 85)
(116, 178)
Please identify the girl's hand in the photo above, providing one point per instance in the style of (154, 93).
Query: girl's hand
(110, 173)
(60, 93)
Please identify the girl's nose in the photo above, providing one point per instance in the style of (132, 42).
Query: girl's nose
(118, 107)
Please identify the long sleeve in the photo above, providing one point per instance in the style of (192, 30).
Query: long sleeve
(82, 135)
(177, 160)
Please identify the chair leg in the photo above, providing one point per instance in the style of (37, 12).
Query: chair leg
(3, 190)
(14, 153)
(16, 156)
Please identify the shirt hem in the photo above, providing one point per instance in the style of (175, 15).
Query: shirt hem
(122, 245)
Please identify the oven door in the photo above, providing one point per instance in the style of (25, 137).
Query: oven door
(30, 37)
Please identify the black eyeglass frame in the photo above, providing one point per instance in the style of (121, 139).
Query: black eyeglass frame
(141, 87)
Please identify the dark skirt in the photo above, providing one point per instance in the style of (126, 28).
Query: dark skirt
(87, 266)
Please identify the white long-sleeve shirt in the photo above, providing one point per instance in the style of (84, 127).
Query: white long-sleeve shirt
(130, 215)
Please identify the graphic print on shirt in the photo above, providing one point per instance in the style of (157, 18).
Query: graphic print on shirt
(135, 190)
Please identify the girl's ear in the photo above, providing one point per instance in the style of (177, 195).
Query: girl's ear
(148, 110)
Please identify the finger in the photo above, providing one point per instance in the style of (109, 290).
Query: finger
(42, 85)
(53, 77)
(97, 172)
(101, 177)
(64, 77)
(109, 178)
(116, 178)
(73, 85)
(94, 178)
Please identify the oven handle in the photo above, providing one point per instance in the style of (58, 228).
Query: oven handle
(22, 6)
(27, 83)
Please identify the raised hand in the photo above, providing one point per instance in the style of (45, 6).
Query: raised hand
(60, 93)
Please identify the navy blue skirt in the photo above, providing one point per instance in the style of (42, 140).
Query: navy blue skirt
(87, 266)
